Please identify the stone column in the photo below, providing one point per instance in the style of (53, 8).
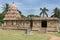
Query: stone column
(14, 22)
(4, 23)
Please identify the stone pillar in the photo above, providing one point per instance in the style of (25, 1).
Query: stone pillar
(25, 25)
(39, 26)
(14, 22)
(4, 23)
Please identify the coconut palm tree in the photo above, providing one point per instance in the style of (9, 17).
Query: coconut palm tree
(5, 9)
(43, 11)
(56, 12)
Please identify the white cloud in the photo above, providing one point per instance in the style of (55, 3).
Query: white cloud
(1, 5)
(28, 5)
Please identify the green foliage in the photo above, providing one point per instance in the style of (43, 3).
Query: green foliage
(1, 19)
(56, 12)
(37, 16)
(43, 11)
(23, 16)
(55, 33)
(19, 11)
(32, 15)
(59, 32)
(5, 9)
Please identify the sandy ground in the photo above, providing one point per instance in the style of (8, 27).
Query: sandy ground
(53, 37)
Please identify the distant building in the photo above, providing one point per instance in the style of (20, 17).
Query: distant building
(14, 20)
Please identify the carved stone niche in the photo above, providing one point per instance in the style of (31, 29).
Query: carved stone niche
(14, 22)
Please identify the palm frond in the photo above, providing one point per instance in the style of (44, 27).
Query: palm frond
(40, 13)
(46, 14)
(40, 8)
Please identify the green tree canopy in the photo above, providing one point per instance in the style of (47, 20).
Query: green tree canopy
(44, 11)
(56, 12)
(5, 9)
(32, 15)
(1, 18)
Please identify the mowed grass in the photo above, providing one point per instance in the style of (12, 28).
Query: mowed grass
(19, 35)
(55, 33)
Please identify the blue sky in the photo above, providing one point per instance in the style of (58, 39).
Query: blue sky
(32, 6)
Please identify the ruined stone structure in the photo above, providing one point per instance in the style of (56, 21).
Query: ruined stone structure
(14, 20)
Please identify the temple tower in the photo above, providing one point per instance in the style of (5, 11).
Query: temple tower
(12, 16)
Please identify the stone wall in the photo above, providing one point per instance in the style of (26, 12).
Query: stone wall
(36, 25)
(52, 25)
(16, 24)
(9, 23)
(23, 23)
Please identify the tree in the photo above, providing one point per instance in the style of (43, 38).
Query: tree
(23, 16)
(19, 11)
(32, 15)
(56, 12)
(43, 11)
(37, 16)
(1, 19)
(5, 9)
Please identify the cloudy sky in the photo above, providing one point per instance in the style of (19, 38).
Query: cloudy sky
(32, 6)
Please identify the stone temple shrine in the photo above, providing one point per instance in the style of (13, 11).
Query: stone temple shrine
(14, 20)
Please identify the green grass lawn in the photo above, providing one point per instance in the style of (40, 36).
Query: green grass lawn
(55, 33)
(19, 35)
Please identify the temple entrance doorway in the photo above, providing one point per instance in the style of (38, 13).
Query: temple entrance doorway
(43, 26)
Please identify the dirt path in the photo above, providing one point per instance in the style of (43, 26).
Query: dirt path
(53, 37)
